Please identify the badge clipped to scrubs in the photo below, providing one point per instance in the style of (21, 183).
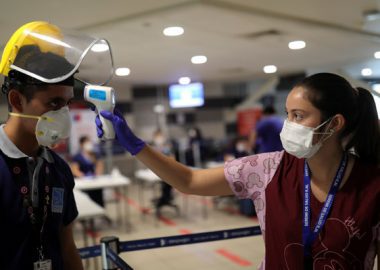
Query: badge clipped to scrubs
(42, 265)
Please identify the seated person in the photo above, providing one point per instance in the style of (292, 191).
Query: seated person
(87, 163)
(240, 148)
(166, 198)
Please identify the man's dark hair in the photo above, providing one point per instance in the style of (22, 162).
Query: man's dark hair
(48, 64)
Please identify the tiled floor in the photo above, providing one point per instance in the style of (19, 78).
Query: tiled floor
(197, 214)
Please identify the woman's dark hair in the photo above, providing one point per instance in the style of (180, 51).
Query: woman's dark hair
(332, 94)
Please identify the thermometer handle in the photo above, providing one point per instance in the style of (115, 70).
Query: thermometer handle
(109, 132)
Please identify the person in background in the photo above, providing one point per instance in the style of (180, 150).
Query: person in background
(161, 144)
(240, 148)
(37, 205)
(87, 163)
(195, 151)
(318, 201)
(266, 136)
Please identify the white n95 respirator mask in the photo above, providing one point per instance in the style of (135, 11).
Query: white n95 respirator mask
(297, 139)
(51, 126)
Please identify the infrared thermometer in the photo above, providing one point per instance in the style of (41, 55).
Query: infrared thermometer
(103, 97)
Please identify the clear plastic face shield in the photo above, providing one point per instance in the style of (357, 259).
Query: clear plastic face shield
(33, 46)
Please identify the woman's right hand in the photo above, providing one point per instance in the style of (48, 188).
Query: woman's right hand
(124, 134)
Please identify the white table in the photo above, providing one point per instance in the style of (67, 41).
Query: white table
(101, 181)
(148, 177)
(87, 208)
(214, 164)
(87, 211)
(115, 181)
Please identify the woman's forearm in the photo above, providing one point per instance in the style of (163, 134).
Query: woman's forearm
(183, 178)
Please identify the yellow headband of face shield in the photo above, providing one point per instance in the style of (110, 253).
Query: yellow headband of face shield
(37, 33)
(49, 119)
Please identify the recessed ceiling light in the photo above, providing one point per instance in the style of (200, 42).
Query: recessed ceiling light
(184, 80)
(371, 15)
(100, 47)
(173, 31)
(377, 55)
(198, 59)
(122, 71)
(270, 69)
(366, 72)
(297, 44)
(376, 88)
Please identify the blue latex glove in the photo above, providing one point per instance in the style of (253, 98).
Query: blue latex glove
(124, 135)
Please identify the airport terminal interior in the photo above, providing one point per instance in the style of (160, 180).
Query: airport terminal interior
(192, 79)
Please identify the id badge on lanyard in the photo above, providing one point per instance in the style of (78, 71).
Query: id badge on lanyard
(308, 235)
(42, 265)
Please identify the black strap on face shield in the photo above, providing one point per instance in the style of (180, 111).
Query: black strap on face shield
(18, 80)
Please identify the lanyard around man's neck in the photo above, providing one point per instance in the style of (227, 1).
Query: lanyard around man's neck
(308, 236)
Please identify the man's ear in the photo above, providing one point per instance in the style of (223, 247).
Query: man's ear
(15, 100)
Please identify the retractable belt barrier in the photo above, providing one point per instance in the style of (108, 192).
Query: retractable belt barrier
(168, 241)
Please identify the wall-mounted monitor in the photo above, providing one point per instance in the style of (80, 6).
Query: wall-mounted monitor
(186, 95)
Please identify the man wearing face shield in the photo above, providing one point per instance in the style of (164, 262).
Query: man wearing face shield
(37, 206)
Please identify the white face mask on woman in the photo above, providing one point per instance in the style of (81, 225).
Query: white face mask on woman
(51, 126)
(297, 139)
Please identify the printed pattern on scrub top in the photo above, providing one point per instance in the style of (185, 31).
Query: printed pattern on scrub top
(274, 182)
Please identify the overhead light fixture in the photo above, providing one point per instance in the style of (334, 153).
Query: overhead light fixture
(124, 71)
(198, 59)
(270, 69)
(297, 45)
(173, 31)
(184, 80)
(377, 55)
(371, 15)
(366, 72)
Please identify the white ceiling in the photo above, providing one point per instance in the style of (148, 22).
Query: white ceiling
(228, 32)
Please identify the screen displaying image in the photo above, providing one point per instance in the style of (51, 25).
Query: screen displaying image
(188, 95)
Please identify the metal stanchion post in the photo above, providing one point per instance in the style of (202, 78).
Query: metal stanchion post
(111, 242)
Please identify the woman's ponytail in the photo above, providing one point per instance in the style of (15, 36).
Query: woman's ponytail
(365, 130)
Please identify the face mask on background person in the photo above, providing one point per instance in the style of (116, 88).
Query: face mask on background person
(240, 147)
(51, 126)
(159, 140)
(297, 139)
(88, 147)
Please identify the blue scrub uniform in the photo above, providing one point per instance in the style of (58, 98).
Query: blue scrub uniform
(87, 167)
(18, 236)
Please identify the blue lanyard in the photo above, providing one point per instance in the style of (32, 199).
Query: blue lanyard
(309, 236)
